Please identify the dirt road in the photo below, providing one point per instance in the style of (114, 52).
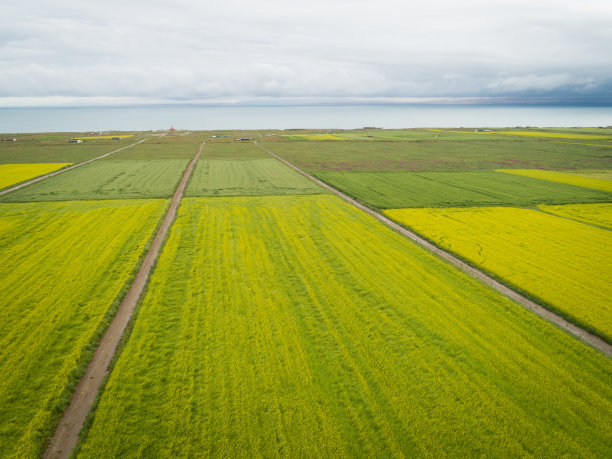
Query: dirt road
(67, 433)
(541, 311)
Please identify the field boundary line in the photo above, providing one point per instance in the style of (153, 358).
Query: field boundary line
(66, 169)
(546, 314)
(66, 435)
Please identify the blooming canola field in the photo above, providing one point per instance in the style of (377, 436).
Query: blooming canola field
(10, 174)
(300, 326)
(564, 263)
(62, 267)
(593, 214)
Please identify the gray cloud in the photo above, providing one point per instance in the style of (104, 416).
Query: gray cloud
(53, 51)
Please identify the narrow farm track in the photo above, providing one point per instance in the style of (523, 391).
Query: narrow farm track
(522, 300)
(67, 433)
(51, 174)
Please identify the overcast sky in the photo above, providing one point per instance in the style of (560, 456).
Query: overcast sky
(82, 52)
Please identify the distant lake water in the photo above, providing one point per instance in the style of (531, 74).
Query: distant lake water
(17, 120)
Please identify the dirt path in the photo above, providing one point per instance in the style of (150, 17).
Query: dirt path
(66, 169)
(67, 433)
(541, 311)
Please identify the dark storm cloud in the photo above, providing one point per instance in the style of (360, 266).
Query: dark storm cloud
(83, 52)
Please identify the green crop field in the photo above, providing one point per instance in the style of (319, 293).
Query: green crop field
(236, 177)
(107, 180)
(473, 153)
(45, 149)
(232, 150)
(179, 147)
(397, 189)
(300, 326)
(62, 268)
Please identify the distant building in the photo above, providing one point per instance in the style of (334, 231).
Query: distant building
(116, 138)
(75, 141)
(9, 140)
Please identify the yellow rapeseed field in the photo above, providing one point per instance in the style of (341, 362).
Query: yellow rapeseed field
(62, 267)
(299, 326)
(15, 173)
(563, 263)
(595, 214)
(563, 177)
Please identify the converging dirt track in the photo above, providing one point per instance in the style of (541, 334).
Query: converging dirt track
(67, 433)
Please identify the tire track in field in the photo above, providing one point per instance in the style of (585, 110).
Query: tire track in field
(67, 433)
(51, 174)
(522, 300)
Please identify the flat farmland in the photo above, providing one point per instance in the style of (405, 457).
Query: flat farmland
(174, 147)
(107, 180)
(237, 177)
(63, 267)
(10, 174)
(417, 135)
(562, 263)
(300, 326)
(472, 153)
(316, 137)
(219, 149)
(55, 149)
(397, 189)
(593, 214)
